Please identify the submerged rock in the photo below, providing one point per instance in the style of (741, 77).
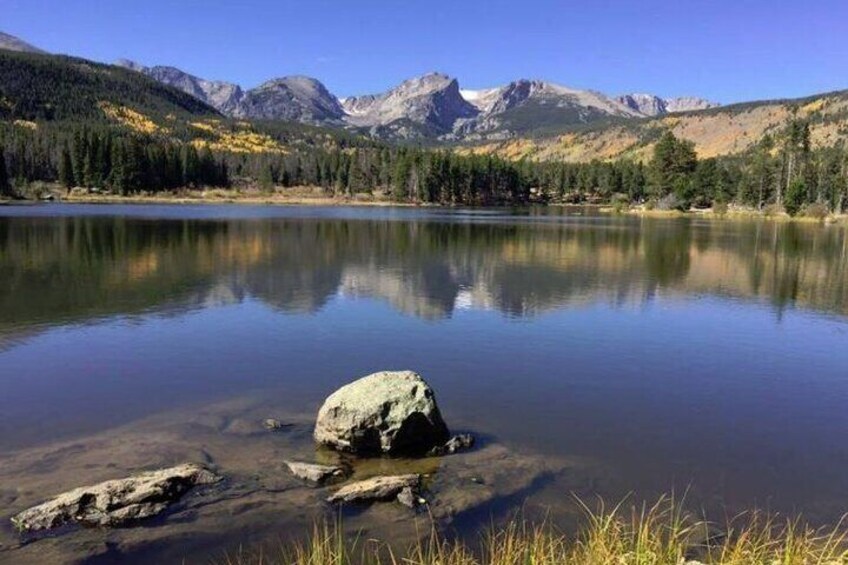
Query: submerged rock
(459, 442)
(408, 497)
(380, 488)
(390, 412)
(700, 538)
(272, 424)
(116, 502)
(314, 472)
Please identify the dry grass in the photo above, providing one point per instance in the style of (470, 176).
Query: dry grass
(662, 534)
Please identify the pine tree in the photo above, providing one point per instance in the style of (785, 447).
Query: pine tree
(795, 195)
(207, 168)
(78, 155)
(66, 169)
(5, 188)
(400, 178)
(671, 169)
(117, 175)
(763, 171)
(266, 178)
(88, 170)
(796, 151)
(191, 166)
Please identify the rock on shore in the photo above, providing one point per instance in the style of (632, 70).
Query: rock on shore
(403, 487)
(461, 442)
(315, 473)
(392, 412)
(116, 502)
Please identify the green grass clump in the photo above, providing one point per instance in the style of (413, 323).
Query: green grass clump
(661, 534)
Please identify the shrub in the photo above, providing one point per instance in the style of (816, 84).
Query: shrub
(720, 208)
(816, 210)
(772, 210)
(620, 203)
(795, 195)
(669, 202)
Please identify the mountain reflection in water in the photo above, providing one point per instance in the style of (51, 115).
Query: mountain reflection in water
(72, 269)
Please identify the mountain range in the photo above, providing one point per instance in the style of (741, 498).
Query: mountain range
(429, 106)
(432, 106)
(525, 119)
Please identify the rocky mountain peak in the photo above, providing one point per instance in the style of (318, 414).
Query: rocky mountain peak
(528, 104)
(298, 98)
(688, 103)
(646, 104)
(432, 101)
(12, 43)
(652, 105)
(131, 65)
(425, 84)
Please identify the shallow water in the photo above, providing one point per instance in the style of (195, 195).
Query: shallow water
(642, 355)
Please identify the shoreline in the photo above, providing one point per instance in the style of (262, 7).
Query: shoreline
(287, 514)
(309, 196)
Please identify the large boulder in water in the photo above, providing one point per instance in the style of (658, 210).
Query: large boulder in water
(391, 412)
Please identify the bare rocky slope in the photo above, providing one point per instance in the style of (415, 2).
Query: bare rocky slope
(223, 96)
(295, 98)
(652, 105)
(12, 43)
(427, 105)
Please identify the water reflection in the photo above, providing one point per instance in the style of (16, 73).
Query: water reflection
(72, 269)
(647, 348)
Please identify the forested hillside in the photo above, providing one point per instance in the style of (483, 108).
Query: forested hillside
(51, 87)
(716, 132)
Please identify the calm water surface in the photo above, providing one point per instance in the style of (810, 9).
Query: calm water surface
(673, 353)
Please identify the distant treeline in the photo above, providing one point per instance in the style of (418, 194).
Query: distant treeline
(124, 164)
(782, 170)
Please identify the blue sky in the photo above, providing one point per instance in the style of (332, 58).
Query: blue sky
(725, 50)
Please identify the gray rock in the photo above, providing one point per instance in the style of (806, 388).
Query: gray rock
(116, 502)
(272, 424)
(459, 442)
(379, 488)
(314, 472)
(702, 535)
(392, 412)
(408, 497)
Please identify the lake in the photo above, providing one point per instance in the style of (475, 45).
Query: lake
(592, 355)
